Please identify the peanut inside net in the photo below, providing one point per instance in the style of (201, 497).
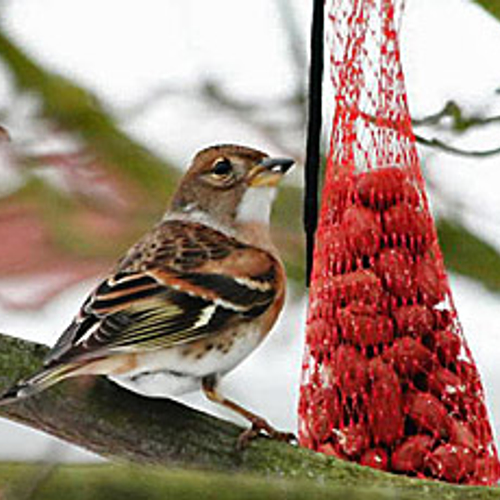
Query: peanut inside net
(388, 378)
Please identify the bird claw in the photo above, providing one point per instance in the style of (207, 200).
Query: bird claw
(261, 427)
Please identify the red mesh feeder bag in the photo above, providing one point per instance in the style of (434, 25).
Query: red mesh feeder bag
(388, 378)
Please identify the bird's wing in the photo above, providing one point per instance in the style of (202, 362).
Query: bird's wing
(182, 282)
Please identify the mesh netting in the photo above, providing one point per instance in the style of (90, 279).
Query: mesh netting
(388, 378)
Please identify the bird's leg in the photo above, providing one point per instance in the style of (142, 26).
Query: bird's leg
(259, 424)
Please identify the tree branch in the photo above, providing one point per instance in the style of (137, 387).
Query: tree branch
(102, 482)
(99, 416)
(460, 122)
(447, 148)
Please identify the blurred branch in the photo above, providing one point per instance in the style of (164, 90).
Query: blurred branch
(78, 111)
(468, 255)
(491, 6)
(259, 115)
(255, 115)
(295, 41)
(438, 144)
(113, 422)
(105, 482)
(296, 49)
(460, 122)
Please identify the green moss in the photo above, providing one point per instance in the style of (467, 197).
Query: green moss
(108, 420)
(96, 482)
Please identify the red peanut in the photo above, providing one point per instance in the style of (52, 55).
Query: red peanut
(329, 449)
(410, 455)
(408, 356)
(430, 283)
(385, 413)
(395, 270)
(447, 344)
(348, 370)
(360, 286)
(382, 188)
(362, 230)
(415, 320)
(486, 471)
(429, 414)
(363, 327)
(445, 384)
(461, 434)
(451, 462)
(408, 227)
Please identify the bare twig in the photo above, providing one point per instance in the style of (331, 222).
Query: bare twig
(438, 144)
(460, 122)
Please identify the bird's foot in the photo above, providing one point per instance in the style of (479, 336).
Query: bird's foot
(262, 427)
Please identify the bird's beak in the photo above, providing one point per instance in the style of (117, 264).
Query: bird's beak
(269, 171)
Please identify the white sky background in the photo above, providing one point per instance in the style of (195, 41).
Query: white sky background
(124, 50)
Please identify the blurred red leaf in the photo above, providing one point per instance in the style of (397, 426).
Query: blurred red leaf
(29, 253)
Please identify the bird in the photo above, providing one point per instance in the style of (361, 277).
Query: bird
(192, 298)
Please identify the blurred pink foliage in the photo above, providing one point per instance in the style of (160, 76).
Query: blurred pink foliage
(49, 242)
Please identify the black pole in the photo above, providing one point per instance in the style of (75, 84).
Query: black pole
(313, 154)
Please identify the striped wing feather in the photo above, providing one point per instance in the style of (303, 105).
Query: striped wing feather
(180, 283)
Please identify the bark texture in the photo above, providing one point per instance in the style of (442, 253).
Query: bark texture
(101, 417)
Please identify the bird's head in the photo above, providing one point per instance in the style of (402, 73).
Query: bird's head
(230, 184)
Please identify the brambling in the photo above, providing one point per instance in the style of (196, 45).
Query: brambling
(193, 298)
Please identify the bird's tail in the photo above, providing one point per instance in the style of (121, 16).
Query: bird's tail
(37, 383)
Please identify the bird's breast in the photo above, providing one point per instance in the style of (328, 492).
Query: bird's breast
(180, 369)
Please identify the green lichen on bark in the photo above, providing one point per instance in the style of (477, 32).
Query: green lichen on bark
(101, 417)
(106, 482)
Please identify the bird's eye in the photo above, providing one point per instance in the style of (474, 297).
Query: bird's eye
(222, 167)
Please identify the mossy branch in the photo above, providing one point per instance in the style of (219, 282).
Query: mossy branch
(104, 482)
(101, 417)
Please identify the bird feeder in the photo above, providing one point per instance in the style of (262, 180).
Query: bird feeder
(388, 378)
